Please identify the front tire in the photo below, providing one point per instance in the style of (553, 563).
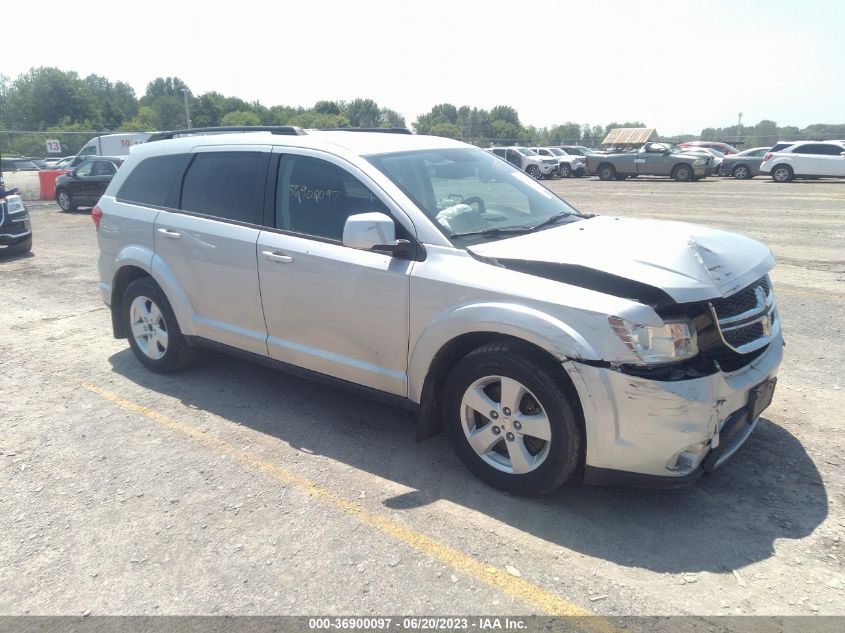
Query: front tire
(565, 171)
(152, 329)
(606, 172)
(782, 173)
(534, 172)
(510, 420)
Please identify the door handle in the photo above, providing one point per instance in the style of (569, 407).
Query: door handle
(277, 256)
(173, 235)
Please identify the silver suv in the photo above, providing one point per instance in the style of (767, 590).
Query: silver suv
(551, 345)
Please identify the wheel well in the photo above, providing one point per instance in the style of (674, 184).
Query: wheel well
(606, 165)
(679, 165)
(787, 165)
(430, 419)
(125, 276)
(738, 165)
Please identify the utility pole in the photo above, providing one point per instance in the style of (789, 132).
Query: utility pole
(187, 113)
(738, 127)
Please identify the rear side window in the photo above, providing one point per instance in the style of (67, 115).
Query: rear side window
(228, 185)
(151, 180)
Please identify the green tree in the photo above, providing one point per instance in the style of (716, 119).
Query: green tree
(362, 113)
(443, 128)
(240, 117)
(506, 114)
(327, 107)
(390, 118)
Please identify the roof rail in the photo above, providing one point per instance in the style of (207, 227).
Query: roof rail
(284, 130)
(380, 130)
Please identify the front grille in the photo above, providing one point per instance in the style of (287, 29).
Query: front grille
(747, 320)
(742, 301)
(14, 228)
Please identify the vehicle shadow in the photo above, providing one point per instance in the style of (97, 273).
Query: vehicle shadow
(10, 257)
(770, 490)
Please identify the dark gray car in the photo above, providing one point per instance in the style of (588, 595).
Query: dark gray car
(744, 165)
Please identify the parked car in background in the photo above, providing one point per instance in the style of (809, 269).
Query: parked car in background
(718, 157)
(55, 161)
(745, 164)
(652, 159)
(17, 163)
(528, 161)
(722, 147)
(109, 145)
(568, 165)
(39, 162)
(15, 228)
(84, 185)
(807, 159)
(576, 150)
(63, 163)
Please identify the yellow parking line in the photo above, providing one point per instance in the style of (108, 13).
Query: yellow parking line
(499, 579)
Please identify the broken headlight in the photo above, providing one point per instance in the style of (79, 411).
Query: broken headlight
(655, 344)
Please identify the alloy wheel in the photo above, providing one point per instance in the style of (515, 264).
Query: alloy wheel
(505, 424)
(148, 327)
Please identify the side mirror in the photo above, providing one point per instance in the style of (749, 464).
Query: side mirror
(367, 231)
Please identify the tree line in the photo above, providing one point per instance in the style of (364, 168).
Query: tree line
(75, 108)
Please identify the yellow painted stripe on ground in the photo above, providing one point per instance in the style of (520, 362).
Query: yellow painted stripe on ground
(499, 579)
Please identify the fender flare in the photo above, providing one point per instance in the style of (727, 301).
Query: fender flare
(146, 260)
(507, 319)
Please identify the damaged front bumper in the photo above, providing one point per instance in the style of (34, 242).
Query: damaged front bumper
(668, 433)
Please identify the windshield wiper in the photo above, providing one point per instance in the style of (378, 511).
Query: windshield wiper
(494, 231)
(557, 217)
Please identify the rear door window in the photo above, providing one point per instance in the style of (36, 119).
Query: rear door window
(152, 179)
(227, 185)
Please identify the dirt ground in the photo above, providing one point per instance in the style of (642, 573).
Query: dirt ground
(235, 489)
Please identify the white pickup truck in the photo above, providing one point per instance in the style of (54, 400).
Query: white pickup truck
(568, 165)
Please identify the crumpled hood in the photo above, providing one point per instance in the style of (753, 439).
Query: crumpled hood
(685, 261)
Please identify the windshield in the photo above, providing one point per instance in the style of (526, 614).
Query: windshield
(526, 152)
(557, 152)
(470, 191)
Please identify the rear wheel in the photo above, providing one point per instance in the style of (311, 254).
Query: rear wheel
(65, 201)
(782, 173)
(510, 420)
(682, 173)
(154, 334)
(606, 172)
(742, 172)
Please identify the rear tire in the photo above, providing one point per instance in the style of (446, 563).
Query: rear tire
(606, 172)
(65, 201)
(502, 445)
(782, 173)
(152, 329)
(682, 173)
(742, 172)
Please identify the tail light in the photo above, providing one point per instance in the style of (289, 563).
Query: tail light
(96, 216)
(767, 156)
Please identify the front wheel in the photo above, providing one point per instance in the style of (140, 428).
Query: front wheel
(510, 421)
(565, 171)
(534, 172)
(606, 172)
(154, 334)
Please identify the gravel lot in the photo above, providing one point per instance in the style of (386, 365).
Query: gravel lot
(235, 489)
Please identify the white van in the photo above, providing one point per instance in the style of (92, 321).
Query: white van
(109, 145)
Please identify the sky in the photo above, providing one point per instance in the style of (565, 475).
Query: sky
(679, 66)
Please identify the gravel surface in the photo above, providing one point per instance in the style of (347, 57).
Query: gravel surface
(236, 489)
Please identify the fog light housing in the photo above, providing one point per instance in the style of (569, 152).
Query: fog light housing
(688, 459)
